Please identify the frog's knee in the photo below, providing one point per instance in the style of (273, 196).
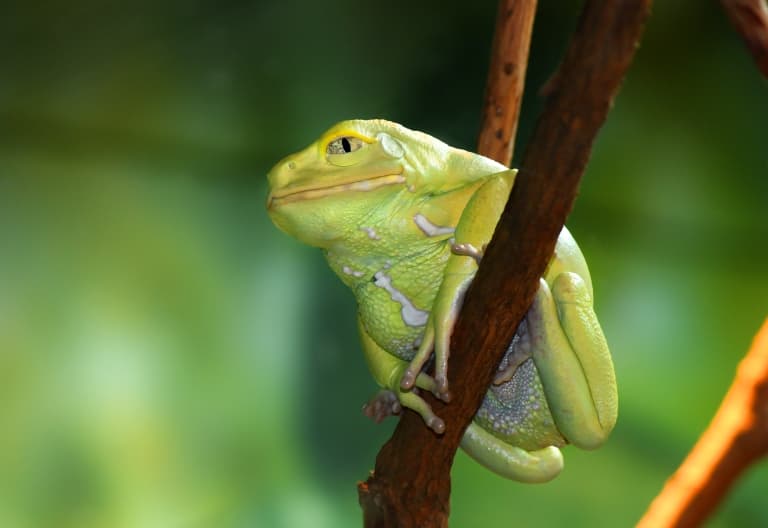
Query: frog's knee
(571, 288)
(509, 461)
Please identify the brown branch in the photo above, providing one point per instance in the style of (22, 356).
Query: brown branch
(735, 439)
(750, 18)
(411, 483)
(506, 79)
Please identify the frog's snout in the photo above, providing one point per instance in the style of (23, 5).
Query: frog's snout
(280, 176)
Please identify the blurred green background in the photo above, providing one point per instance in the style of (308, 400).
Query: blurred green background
(169, 359)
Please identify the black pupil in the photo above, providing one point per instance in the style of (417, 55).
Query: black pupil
(345, 145)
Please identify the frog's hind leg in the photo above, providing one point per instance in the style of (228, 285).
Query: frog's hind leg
(573, 360)
(509, 461)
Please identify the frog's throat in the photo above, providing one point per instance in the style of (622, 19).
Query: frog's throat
(310, 192)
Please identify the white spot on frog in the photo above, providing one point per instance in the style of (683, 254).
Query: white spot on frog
(371, 232)
(430, 229)
(411, 315)
(350, 271)
(390, 145)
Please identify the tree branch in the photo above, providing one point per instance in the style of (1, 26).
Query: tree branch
(506, 79)
(411, 483)
(735, 439)
(750, 18)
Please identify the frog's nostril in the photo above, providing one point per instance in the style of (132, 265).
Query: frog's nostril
(291, 165)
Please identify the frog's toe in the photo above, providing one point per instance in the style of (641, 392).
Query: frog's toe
(415, 402)
(504, 376)
(468, 250)
(382, 405)
(441, 388)
(517, 353)
(409, 378)
(427, 382)
(571, 288)
(436, 424)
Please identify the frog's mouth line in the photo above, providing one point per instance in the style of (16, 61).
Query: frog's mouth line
(369, 184)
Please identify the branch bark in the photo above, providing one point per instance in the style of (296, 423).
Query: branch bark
(735, 439)
(411, 482)
(506, 79)
(750, 18)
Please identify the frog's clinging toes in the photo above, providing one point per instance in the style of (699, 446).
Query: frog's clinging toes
(402, 219)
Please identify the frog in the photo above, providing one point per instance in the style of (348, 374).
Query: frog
(403, 219)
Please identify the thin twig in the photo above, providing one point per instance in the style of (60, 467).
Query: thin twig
(750, 18)
(411, 483)
(735, 439)
(506, 79)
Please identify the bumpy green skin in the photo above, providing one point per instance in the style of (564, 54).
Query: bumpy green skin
(402, 219)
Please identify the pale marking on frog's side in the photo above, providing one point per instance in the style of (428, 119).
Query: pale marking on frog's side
(430, 229)
(350, 271)
(411, 315)
(371, 232)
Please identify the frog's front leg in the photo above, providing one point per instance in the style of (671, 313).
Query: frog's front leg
(475, 229)
(573, 360)
(388, 370)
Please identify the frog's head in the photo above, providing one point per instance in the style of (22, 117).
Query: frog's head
(356, 167)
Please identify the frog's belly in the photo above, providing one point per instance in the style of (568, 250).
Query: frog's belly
(384, 324)
(517, 411)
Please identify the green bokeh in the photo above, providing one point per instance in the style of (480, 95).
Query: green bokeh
(169, 359)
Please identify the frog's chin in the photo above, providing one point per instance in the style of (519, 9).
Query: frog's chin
(276, 199)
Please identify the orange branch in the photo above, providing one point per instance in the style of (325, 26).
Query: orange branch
(736, 438)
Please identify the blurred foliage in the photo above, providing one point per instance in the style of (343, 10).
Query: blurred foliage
(169, 359)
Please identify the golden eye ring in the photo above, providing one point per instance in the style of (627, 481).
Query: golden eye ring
(344, 145)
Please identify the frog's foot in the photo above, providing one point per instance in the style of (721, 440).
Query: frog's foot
(517, 353)
(468, 250)
(382, 405)
(391, 402)
(416, 403)
(414, 377)
(509, 461)
(412, 400)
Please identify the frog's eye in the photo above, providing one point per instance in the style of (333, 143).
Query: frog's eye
(344, 145)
